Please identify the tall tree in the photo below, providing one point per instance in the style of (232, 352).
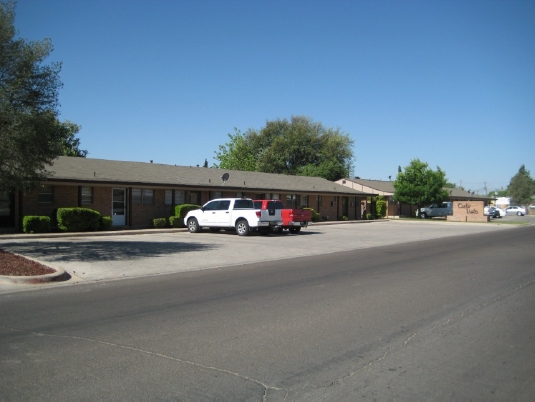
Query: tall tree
(298, 146)
(521, 187)
(70, 145)
(420, 185)
(30, 135)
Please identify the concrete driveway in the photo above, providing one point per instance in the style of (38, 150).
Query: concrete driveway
(91, 258)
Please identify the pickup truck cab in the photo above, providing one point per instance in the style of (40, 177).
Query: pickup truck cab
(434, 210)
(227, 213)
(291, 219)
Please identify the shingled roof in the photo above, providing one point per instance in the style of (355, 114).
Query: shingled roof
(388, 187)
(88, 170)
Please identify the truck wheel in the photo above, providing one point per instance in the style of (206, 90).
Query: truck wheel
(276, 229)
(263, 231)
(242, 227)
(423, 215)
(193, 225)
(295, 230)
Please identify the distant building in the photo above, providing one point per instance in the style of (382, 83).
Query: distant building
(396, 209)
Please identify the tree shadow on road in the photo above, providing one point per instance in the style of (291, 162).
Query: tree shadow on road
(92, 251)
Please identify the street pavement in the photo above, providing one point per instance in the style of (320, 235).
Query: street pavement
(93, 257)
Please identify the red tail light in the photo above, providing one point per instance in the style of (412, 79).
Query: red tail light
(258, 213)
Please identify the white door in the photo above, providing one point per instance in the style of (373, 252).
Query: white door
(119, 207)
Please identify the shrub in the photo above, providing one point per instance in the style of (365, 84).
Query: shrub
(380, 207)
(315, 216)
(159, 222)
(343, 218)
(175, 221)
(182, 210)
(105, 222)
(369, 217)
(78, 219)
(36, 224)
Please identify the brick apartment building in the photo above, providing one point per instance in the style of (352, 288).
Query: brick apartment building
(135, 193)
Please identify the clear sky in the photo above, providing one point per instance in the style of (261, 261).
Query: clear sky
(449, 82)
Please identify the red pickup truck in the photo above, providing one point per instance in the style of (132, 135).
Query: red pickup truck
(292, 219)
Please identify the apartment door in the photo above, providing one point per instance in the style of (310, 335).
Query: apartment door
(7, 209)
(119, 207)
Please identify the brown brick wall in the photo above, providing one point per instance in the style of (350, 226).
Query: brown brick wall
(468, 211)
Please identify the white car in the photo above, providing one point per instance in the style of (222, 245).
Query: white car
(515, 210)
(501, 211)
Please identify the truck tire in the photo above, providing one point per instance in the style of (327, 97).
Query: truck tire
(193, 225)
(276, 229)
(242, 227)
(295, 230)
(423, 215)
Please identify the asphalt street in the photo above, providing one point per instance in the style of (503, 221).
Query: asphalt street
(446, 314)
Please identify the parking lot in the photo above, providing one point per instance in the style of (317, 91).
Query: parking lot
(144, 253)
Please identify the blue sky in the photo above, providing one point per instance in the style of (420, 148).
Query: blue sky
(449, 82)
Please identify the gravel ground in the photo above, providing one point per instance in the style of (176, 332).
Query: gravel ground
(16, 265)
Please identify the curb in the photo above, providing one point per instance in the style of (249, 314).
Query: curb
(58, 276)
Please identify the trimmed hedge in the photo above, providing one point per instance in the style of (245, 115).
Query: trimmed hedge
(159, 222)
(105, 222)
(182, 210)
(78, 219)
(316, 217)
(36, 224)
(175, 221)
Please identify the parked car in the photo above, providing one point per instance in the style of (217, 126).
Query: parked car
(515, 210)
(493, 212)
(532, 206)
(501, 211)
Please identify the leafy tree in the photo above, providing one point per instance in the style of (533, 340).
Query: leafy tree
(236, 154)
(521, 187)
(419, 185)
(298, 146)
(31, 136)
(69, 143)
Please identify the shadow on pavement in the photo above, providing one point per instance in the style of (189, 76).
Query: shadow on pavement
(101, 250)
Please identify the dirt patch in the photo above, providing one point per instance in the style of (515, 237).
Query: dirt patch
(16, 265)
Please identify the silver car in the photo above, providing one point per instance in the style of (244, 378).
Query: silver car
(515, 210)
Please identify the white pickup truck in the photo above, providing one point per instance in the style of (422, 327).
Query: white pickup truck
(228, 213)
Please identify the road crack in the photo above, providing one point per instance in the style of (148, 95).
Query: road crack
(266, 387)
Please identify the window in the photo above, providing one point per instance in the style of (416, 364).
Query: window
(290, 200)
(333, 201)
(216, 194)
(304, 201)
(276, 197)
(142, 196)
(45, 195)
(180, 196)
(168, 197)
(243, 204)
(87, 195)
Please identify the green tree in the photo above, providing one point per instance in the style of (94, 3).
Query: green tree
(420, 185)
(30, 135)
(298, 146)
(70, 145)
(236, 154)
(521, 187)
